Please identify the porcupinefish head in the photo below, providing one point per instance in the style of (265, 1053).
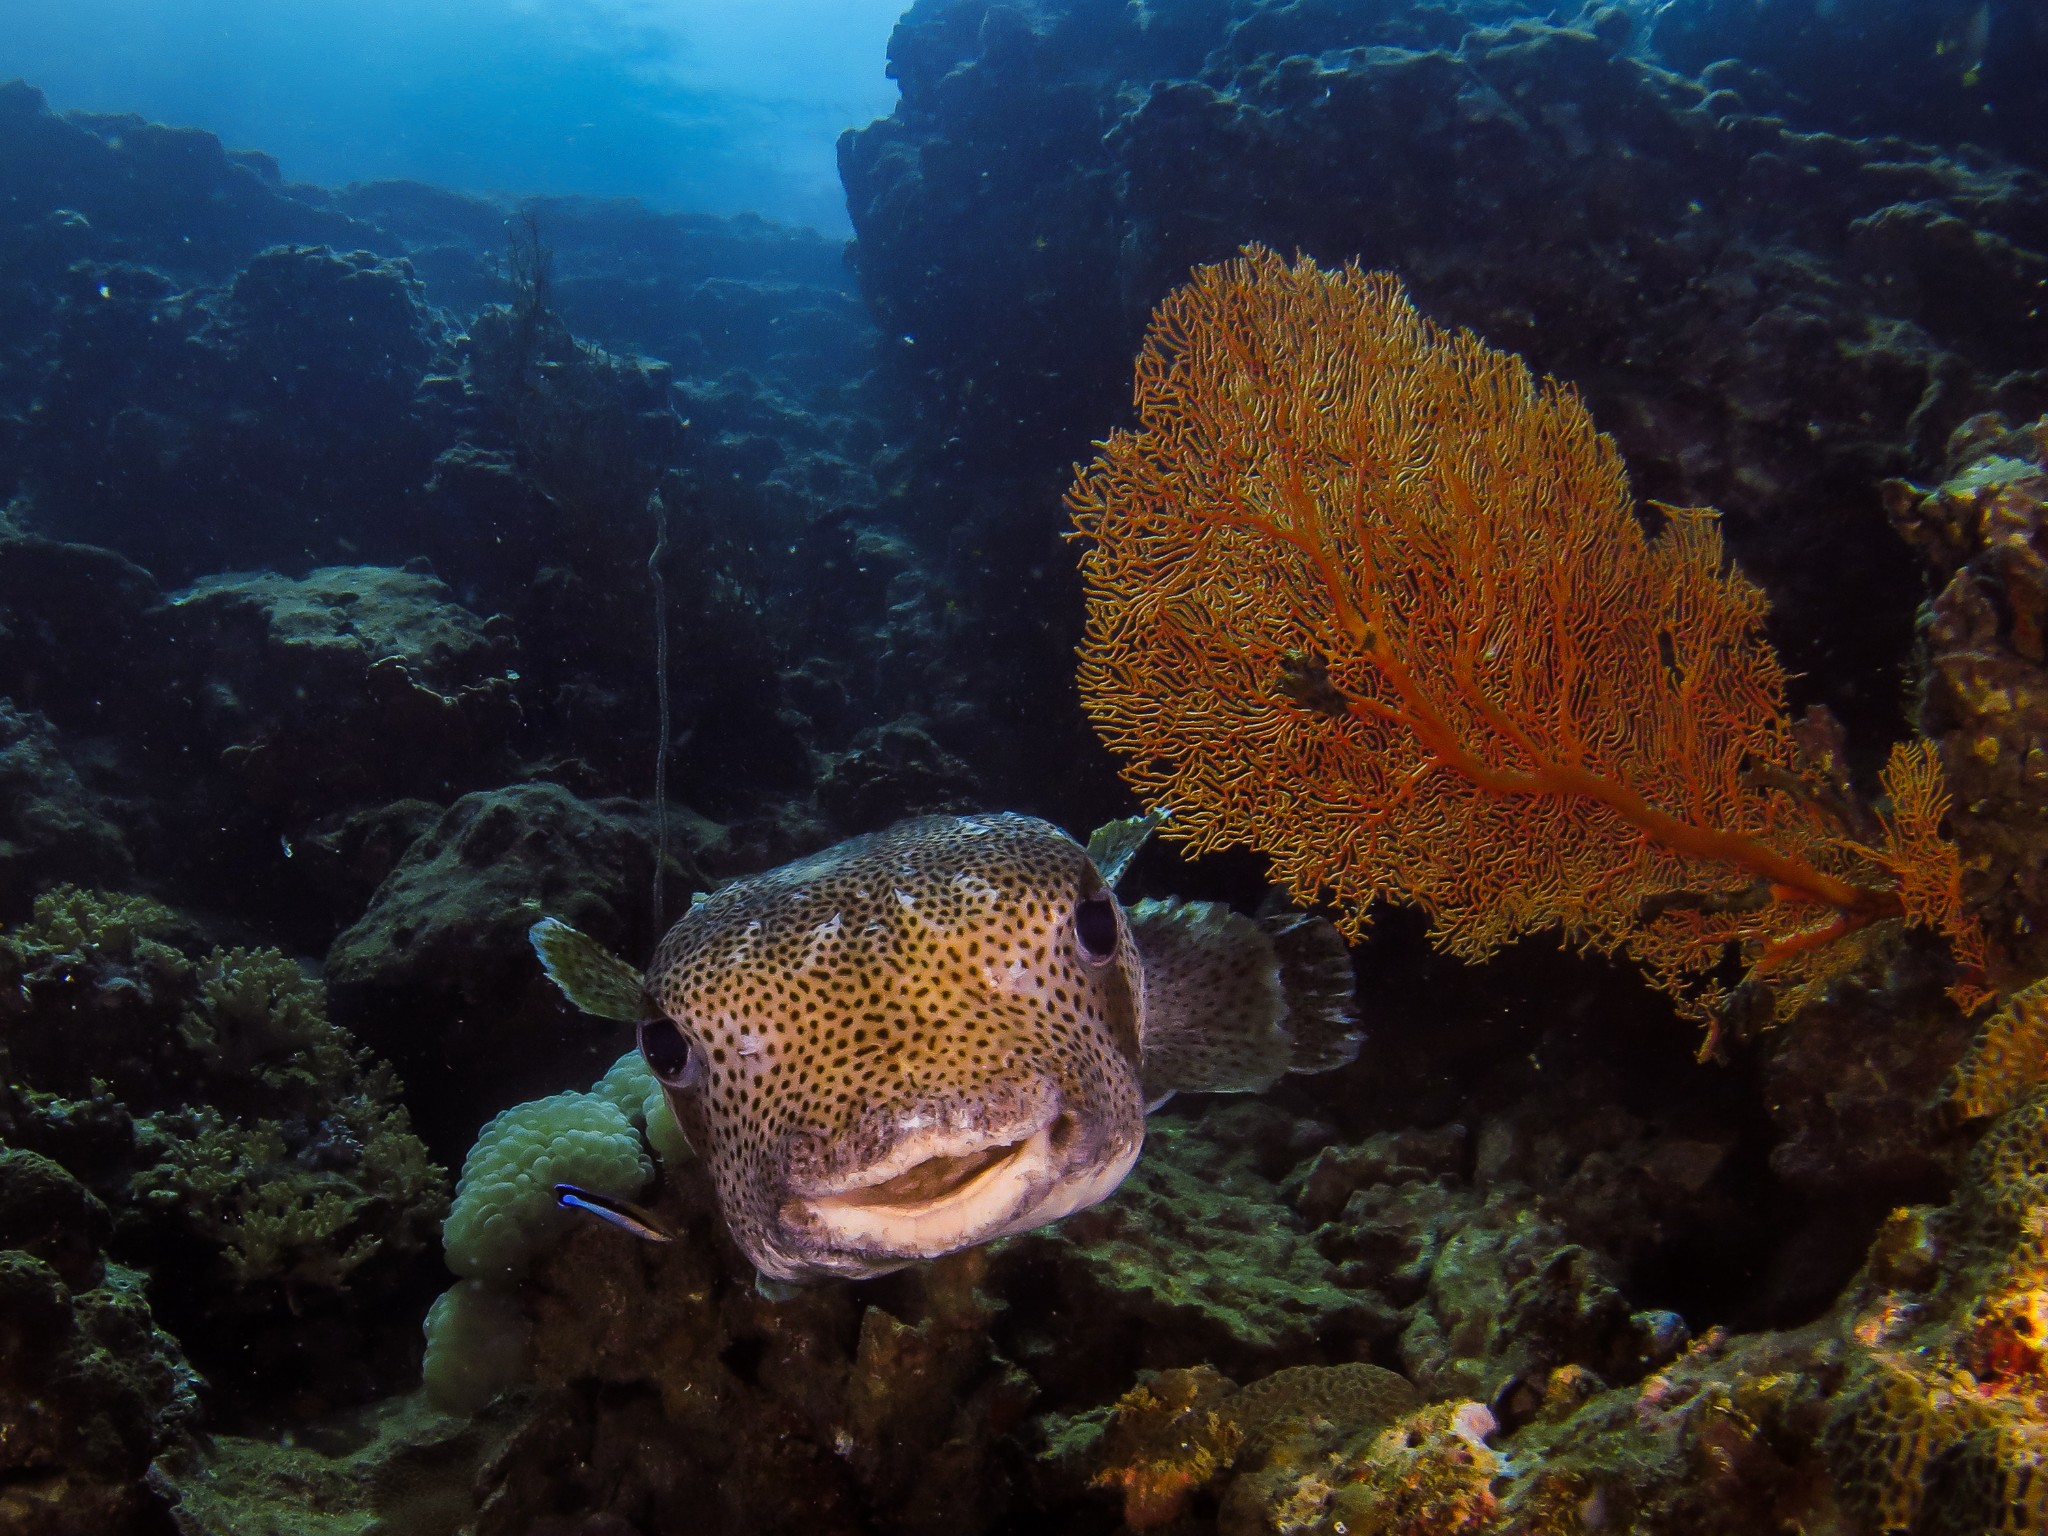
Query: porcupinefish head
(911, 1043)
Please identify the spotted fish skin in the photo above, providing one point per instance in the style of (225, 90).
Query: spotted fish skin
(912, 1042)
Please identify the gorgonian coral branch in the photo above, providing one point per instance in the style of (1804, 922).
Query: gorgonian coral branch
(1365, 595)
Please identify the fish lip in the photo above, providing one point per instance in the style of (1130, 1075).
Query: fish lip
(912, 1152)
(1010, 1179)
(891, 1139)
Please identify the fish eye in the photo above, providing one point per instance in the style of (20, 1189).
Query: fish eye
(1095, 926)
(668, 1054)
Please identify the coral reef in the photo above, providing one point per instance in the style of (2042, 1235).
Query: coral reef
(255, 1156)
(1942, 1419)
(285, 469)
(435, 384)
(1672, 247)
(1983, 531)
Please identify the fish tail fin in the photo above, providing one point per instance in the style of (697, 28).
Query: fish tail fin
(1233, 1004)
(1320, 988)
(589, 975)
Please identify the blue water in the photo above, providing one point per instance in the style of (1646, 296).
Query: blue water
(722, 106)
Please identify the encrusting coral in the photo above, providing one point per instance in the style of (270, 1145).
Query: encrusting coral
(1339, 1447)
(1941, 1428)
(1983, 532)
(1168, 1438)
(1364, 595)
(2008, 1058)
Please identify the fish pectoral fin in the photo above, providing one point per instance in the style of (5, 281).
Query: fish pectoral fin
(593, 978)
(775, 1290)
(1233, 1004)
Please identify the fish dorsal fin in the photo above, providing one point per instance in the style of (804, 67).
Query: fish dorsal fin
(1233, 1004)
(590, 976)
(1114, 844)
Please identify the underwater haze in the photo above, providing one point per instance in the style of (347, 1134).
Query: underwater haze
(725, 106)
(1104, 767)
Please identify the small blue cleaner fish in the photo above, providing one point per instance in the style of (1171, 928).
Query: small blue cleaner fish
(930, 1037)
(622, 1214)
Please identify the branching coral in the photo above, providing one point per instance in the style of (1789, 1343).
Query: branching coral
(272, 1218)
(1364, 595)
(72, 928)
(212, 1103)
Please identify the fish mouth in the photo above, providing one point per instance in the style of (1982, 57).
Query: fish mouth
(944, 1189)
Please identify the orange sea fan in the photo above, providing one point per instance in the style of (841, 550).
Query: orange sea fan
(1364, 595)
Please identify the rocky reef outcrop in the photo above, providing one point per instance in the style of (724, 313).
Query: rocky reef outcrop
(438, 972)
(362, 491)
(1982, 531)
(1769, 317)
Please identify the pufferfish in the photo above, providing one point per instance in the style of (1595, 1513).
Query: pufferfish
(929, 1037)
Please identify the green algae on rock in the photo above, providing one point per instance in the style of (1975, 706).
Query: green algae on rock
(91, 1391)
(1195, 1259)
